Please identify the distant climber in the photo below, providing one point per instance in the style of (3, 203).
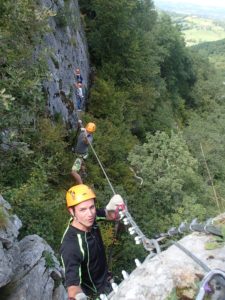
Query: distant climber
(79, 95)
(79, 78)
(84, 139)
(82, 250)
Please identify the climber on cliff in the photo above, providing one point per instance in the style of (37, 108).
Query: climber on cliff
(79, 95)
(82, 250)
(84, 139)
(79, 78)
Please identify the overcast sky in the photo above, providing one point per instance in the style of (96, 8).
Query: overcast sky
(213, 3)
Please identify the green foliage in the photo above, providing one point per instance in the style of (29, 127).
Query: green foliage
(208, 130)
(107, 101)
(176, 66)
(173, 295)
(113, 155)
(5, 101)
(38, 179)
(3, 218)
(49, 261)
(61, 18)
(39, 206)
(216, 242)
(115, 37)
(171, 181)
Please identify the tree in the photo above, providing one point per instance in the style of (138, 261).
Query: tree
(176, 62)
(207, 130)
(171, 178)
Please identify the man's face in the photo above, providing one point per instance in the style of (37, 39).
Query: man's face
(85, 213)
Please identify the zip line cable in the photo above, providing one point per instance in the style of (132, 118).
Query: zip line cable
(103, 170)
(148, 244)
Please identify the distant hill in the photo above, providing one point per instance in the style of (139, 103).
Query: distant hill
(197, 29)
(214, 51)
(181, 7)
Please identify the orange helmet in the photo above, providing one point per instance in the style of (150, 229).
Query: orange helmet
(78, 194)
(90, 127)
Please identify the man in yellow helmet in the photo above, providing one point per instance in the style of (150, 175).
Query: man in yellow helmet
(82, 249)
(84, 139)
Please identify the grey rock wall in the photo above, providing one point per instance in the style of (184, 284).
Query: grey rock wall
(28, 268)
(66, 50)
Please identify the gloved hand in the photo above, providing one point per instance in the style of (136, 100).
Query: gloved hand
(81, 296)
(115, 202)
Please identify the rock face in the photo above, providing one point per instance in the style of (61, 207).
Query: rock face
(172, 270)
(28, 268)
(67, 50)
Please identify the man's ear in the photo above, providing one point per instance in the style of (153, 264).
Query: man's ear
(71, 211)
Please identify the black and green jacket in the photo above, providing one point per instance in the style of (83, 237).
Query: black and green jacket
(84, 259)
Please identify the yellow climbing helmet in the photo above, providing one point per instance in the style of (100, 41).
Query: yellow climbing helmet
(78, 194)
(90, 127)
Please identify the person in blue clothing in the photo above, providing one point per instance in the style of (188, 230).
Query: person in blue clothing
(82, 250)
(79, 78)
(84, 139)
(79, 95)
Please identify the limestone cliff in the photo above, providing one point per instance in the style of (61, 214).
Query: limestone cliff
(28, 267)
(66, 48)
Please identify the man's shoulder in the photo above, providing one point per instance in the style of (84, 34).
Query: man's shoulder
(72, 238)
(72, 233)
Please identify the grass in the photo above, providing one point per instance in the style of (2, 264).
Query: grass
(197, 30)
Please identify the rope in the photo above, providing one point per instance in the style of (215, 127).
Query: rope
(103, 170)
(148, 244)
